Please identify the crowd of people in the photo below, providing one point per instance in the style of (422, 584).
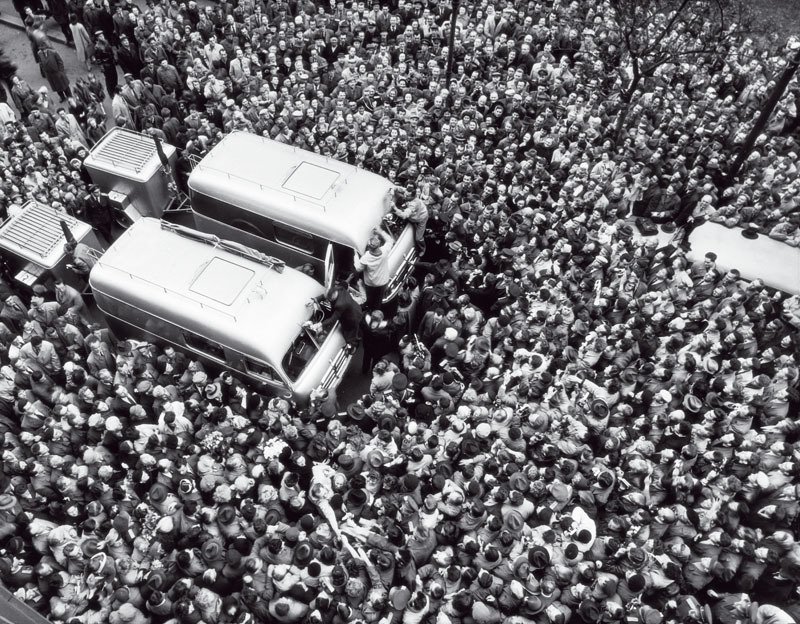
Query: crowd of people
(564, 422)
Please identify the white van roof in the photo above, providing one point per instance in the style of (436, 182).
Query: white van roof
(252, 308)
(320, 195)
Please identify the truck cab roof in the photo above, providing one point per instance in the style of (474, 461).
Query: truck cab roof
(152, 265)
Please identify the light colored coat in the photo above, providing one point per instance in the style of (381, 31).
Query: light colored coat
(69, 128)
(47, 358)
(84, 47)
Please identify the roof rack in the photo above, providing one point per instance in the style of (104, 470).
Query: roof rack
(235, 248)
(263, 187)
(206, 163)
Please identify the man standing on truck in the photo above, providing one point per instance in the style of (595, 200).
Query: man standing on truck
(98, 213)
(345, 310)
(375, 266)
(82, 259)
(416, 212)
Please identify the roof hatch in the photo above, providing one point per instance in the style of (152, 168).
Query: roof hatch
(311, 180)
(222, 281)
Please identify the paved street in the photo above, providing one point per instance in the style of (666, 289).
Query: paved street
(17, 48)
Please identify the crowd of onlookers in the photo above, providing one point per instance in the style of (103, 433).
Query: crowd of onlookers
(564, 422)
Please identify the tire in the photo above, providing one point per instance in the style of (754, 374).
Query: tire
(122, 219)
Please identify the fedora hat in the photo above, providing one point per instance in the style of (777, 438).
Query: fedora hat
(356, 411)
(90, 547)
(539, 557)
(533, 604)
(211, 551)
(158, 493)
(226, 514)
(692, 403)
(7, 501)
(600, 408)
(357, 497)
(303, 554)
(375, 459)
(514, 521)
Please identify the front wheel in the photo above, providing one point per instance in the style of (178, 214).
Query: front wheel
(122, 219)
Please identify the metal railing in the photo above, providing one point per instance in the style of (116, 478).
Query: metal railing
(194, 160)
(233, 247)
(108, 265)
(265, 187)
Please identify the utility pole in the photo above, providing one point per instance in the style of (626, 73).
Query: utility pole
(766, 111)
(451, 42)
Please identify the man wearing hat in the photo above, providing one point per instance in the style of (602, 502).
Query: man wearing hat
(133, 94)
(98, 212)
(128, 57)
(104, 55)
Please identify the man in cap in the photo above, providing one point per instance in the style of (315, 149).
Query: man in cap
(104, 55)
(128, 57)
(98, 212)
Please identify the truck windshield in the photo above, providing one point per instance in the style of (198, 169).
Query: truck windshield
(306, 346)
(393, 225)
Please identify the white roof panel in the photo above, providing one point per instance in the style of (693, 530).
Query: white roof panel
(311, 180)
(196, 285)
(321, 195)
(222, 281)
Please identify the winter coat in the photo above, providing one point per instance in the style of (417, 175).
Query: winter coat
(53, 67)
(84, 47)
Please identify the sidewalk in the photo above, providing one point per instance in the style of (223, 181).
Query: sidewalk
(17, 48)
(10, 17)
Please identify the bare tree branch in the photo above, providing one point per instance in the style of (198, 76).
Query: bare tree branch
(690, 27)
(655, 33)
(668, 26)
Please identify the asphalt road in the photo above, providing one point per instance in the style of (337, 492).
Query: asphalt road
(17, 48)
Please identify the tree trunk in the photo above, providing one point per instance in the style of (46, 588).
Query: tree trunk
(451, 38)
(627, 96)
(763, 118)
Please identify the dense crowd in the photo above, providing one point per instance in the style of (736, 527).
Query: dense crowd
(564, 423)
